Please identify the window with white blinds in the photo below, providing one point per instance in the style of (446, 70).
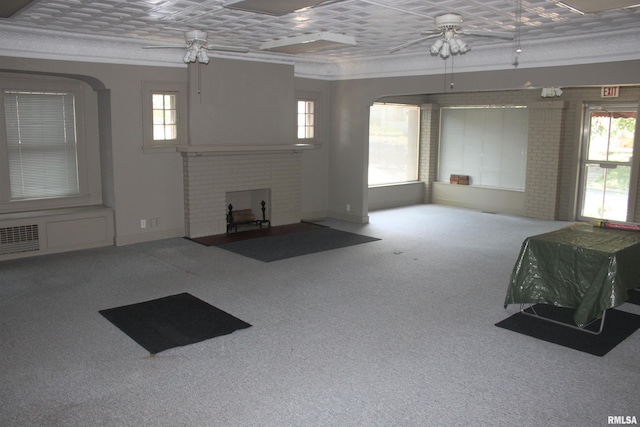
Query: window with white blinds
(488, 143)
(41, 144)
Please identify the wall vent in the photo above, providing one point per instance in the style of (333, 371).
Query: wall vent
(18, 239)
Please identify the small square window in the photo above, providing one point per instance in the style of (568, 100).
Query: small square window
(164, 116)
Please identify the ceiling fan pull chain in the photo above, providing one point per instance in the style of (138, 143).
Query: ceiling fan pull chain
(451, 86)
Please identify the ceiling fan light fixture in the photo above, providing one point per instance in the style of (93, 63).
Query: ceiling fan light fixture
(448, 46)
(444, 51)
(453, 46)
(202, 57)
(435, 48)
(190, 56)
(462, 45)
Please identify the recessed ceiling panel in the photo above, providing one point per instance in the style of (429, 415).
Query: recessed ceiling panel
(272, 7)
(8, 8)
(593, 6)
(309, 43)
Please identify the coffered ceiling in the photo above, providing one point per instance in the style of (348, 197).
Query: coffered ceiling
(114, 31)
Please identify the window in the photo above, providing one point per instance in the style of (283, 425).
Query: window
(394, 131)
(488, 143)
(306, 119)
(164, 115)
(41, 142)
(607, 162)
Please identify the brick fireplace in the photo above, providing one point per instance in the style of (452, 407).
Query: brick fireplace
(211, 173)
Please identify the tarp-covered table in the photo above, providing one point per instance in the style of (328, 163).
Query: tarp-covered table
(582, 267)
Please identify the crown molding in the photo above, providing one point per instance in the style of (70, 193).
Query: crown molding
(47, 44)
(622, 46)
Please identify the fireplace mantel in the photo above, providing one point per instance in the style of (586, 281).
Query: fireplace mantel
(187, 150)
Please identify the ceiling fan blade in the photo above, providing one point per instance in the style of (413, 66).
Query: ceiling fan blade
(227, 49)
(491, 34)
(164, 47)
(411, 43)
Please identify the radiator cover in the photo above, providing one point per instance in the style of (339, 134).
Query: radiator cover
(19, 239)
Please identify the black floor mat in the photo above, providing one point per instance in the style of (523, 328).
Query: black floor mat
(618, 326)
(282, 246)
(634, 297)
(172, 321)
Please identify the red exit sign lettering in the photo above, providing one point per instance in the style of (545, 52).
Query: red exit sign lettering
(610, 91)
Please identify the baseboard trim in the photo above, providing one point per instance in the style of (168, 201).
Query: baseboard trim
(149, 236)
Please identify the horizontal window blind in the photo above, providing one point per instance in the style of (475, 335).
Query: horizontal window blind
(487, 143)
(41, 143)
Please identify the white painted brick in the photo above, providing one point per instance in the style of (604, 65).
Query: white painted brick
(209, 177)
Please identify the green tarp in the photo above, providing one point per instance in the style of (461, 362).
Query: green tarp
(581, 267)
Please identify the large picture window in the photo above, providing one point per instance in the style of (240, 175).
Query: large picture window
(394, 131)
(41, 144)
(487, 143)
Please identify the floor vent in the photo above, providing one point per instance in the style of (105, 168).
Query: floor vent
(18, 239)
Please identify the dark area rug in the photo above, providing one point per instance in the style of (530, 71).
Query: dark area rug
(172, 321)
(618, 326)
(281, 246)
(634, 297)
(252, 233)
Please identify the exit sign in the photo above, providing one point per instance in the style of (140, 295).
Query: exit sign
(610, 91)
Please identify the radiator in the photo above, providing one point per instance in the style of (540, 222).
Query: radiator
(19, 239)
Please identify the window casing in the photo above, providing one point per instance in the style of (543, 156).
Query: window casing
(394, 143)
(44, 155)
(308, 108)
(164, 116)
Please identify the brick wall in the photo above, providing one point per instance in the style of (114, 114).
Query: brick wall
(428, 166)
(208, 177)
(546, 121)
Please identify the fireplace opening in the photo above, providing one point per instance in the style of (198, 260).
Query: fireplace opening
(248, 209)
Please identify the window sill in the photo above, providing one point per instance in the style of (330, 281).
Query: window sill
(159, 149)
(28, 205)
(396, 184)
(485, 187)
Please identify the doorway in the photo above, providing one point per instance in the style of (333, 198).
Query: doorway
(608, 171)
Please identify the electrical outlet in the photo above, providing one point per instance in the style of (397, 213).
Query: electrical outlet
(143, 223)
(348, 207)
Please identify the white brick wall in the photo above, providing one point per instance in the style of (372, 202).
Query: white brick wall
(543, 159)
(208, 177)
(428, 166)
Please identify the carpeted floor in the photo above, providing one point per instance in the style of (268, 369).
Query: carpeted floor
(399, 332)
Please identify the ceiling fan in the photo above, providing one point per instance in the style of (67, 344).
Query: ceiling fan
(448, 28)
(196, 46)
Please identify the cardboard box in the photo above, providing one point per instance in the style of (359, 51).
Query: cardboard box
(459, 179)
